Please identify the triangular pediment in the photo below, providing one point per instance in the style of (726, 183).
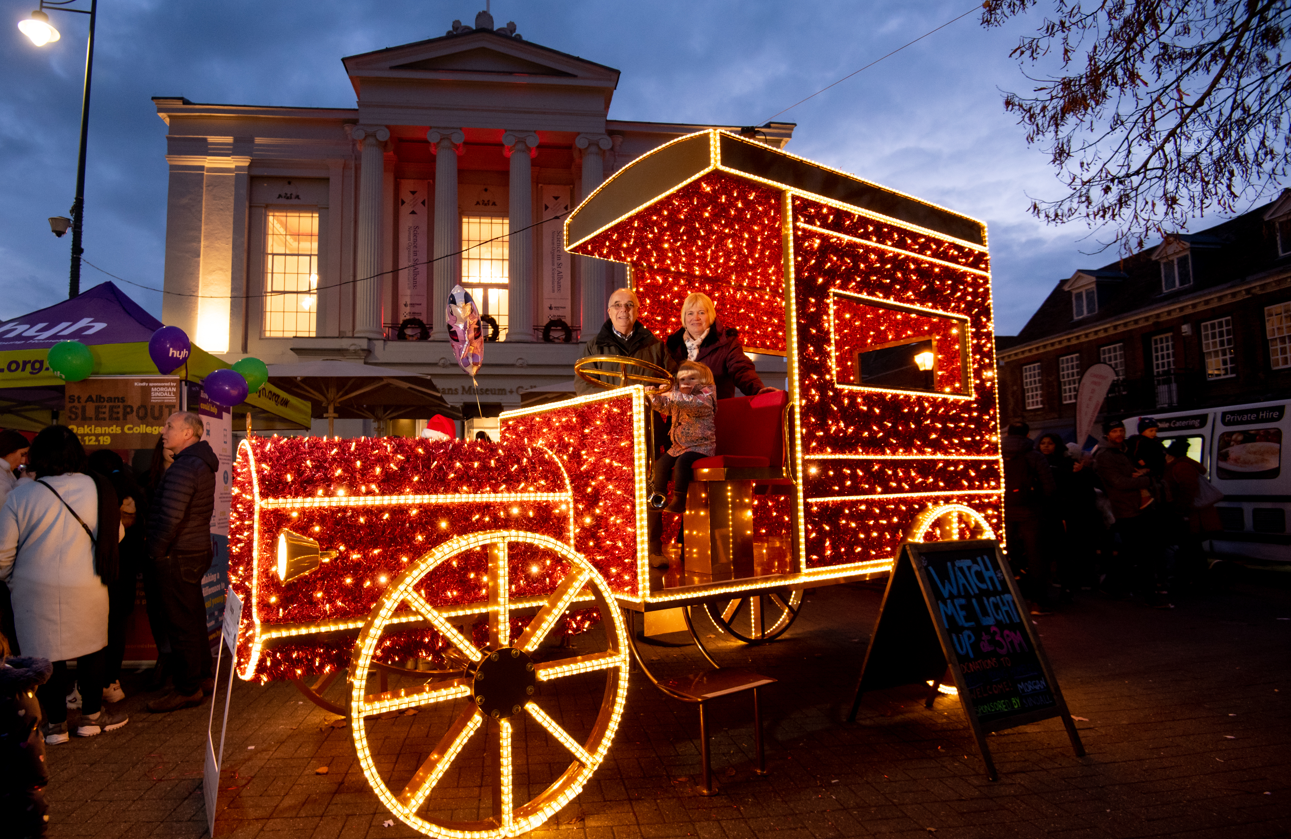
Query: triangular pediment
(482, 60)
(478, 55)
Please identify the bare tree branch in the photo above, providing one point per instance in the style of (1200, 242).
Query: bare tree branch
(1154, 111)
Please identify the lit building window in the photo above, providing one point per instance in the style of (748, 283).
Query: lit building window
(1277, 321)
(1084, 302)
(1217, 346)
(1069, 377)
(1113, 355)
(1177, 272)
(290, 273)
(485, 252)
(1032, 388)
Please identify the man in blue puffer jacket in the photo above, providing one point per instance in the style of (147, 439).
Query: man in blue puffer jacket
(179, 547)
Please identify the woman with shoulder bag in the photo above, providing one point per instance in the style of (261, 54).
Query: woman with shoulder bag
(58, 570)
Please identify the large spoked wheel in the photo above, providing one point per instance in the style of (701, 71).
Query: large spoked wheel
(593, 369)
(949, 523)
(491, 764)
(759, 616)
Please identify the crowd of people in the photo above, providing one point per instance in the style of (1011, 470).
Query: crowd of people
(1128, 517)
(76, 533)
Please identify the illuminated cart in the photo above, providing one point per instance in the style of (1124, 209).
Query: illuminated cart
(881, 305)
(478, 594)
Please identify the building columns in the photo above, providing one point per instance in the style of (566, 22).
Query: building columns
(592, 270)
(446, 144)
(368, 284)
(520, 147)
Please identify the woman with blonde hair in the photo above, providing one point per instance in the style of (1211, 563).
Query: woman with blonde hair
(702, 338)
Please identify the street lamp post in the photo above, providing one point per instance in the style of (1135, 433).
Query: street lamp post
(37, 28)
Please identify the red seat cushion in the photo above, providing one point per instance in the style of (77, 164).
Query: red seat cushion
(732, 461)
(751, 427)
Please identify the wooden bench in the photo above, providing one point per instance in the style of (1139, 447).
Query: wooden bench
(704, 687)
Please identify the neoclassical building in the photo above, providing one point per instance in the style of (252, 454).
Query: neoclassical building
(312, 233)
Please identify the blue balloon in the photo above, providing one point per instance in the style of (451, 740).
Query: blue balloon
(226, 388)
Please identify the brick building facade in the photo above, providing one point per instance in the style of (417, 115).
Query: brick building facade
(1198, 321)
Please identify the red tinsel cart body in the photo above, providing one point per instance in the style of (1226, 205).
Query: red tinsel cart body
(852, 283)
(379, 504)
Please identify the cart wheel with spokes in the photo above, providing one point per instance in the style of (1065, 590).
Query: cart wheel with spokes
(757, 617)
(485, 768)
(949, 523)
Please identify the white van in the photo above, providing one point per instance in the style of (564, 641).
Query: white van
(1241, 447)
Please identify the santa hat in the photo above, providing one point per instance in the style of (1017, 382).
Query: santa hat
(439, 428)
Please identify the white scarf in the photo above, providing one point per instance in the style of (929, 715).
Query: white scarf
(692, 345)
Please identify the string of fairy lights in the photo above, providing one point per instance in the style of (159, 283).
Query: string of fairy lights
(439, 551)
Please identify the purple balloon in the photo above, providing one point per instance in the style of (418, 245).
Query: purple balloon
(169, 348)
(226, 388)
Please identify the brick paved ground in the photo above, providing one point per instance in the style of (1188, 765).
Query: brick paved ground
(1186, 726)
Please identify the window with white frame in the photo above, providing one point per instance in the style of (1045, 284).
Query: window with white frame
(486, 266)
(1217, 347)
(1167, 392)
(1069, 377)
(1284, 235)
(1177, 272)
(1084, 302)
(1113, 355)
(290, 273)
(1277, 323)
(1032, 387)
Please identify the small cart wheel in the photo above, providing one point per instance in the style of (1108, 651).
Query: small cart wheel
(759, 616)
(509, 701)
(949, 523)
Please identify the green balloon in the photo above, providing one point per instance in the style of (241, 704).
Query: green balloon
(70, 360)
(254, 371)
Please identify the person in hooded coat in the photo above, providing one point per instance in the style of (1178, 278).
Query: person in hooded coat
(1028, 488)
(179, 548)
(622, 335)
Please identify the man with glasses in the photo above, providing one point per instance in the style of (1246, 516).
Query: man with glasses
(623, 335)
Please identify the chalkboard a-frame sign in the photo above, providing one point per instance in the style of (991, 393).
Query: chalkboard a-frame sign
(955, 606)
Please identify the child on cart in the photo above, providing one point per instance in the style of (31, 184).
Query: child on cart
(692, 407)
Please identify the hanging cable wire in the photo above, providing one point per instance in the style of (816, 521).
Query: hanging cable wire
(341, 284)
(871, 64)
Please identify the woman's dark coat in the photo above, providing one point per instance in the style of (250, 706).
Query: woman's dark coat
(723, 352)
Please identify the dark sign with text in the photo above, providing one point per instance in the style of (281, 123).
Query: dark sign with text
(990, 640)
(953, 609)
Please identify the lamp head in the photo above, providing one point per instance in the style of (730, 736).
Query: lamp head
(60, 225)
(37, 28)
(924, 360)
(298, 555)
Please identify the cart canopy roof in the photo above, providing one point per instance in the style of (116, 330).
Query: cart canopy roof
(706, 213)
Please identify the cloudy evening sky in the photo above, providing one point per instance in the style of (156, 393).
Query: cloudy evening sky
(927, 121)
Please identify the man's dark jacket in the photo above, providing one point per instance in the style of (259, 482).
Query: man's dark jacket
(1115, 469)
(723, 352)
(641, 344)
(180, 517)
